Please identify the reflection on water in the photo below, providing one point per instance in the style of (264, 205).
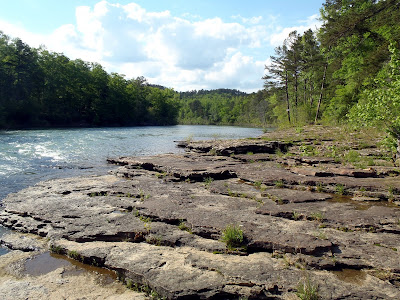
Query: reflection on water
(351, 276)
(48, 262)
(359, 205)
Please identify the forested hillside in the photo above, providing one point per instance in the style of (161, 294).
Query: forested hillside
(39, 88)
(223, 106)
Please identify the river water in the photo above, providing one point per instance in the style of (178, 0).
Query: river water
(30, 156)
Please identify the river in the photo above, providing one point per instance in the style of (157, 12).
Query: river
(30, 156)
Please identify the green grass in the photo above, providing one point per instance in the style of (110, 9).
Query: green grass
(75, 255)
(57, 249)
(321, 235)
(317, 216)
(279, 153)
(319, 188)
(182, 226)
(213, 152)
(143, 196)
(299, 130)
(308, 150)
(154, 240)
(352, 156)
(143, 288)
(257, 184)
(296, 215)
(279, 184)
(391, 191)
(233, 236)
(340, 190)
(306, 290)
(208, 181)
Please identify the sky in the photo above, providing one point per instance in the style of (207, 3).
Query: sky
(181, 44)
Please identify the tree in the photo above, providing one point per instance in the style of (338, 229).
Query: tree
(381, 104)
(355, 35)
(163, 107)
(278, 74)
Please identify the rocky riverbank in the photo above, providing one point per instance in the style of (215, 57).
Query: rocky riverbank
(312, 212)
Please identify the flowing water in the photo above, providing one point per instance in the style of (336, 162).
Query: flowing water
(30, 156)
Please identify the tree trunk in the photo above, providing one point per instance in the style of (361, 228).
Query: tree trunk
(287, 95)
(320, 95)
(311, 94)
(296, 85)
(305, 91)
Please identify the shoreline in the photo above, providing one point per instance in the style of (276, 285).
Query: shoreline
(309, 203)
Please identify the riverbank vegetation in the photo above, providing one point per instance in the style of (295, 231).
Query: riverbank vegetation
(346, 71)
(39, 88)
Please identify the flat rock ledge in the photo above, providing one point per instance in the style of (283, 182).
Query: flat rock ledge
(158, 222)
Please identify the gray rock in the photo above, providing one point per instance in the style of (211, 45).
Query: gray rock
(158, 221)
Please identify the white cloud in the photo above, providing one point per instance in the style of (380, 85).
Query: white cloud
(312, 22)
(18, 31)
(252, 20)
(180, 52)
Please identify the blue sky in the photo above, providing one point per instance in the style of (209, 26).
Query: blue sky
(182, 44)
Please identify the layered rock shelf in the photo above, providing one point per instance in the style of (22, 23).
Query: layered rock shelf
(158, 222)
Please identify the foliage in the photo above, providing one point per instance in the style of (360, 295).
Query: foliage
(208, 181)
(39, 88)
(306, 290)
(233, 236)
(57, 249)
(74, 255)
(380, 105)
(182, 226)
(325, 74)
(317, 216)
(340, 189)
(224, 107)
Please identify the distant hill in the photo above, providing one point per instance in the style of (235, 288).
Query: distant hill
(225, 92)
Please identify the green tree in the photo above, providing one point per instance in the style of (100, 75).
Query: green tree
(278, 74)
(163, 106)
(380, 105)
(355, 36)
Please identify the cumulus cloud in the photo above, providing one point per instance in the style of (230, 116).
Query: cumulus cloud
(174, 51)
(312, 22)
(183, 52)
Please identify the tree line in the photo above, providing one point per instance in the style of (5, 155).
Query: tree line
(224, 107)
(346, 71)
(39, 88)
(322, 75)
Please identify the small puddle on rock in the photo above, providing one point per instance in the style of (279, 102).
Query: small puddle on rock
(48, 262)
(3, 250)
(351, 276)
(359, 205)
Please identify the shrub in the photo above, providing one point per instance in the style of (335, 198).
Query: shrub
(233, 236)
(340, 189)
(306, 290)
(208, 181)
(75, 255)
(279, 184)
(317, 216)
